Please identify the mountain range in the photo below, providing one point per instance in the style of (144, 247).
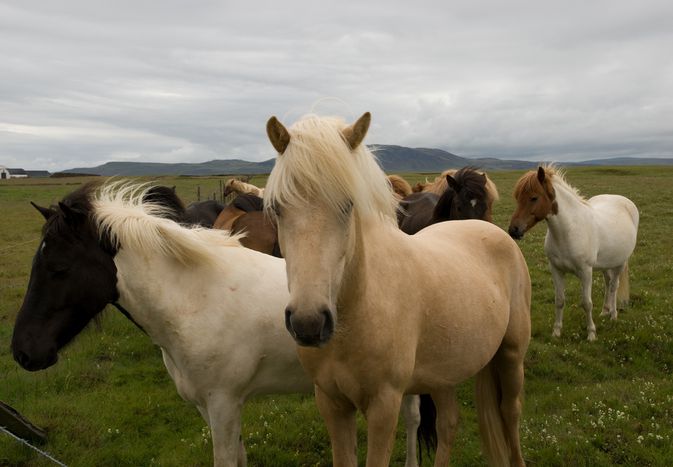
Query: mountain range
(393, 159)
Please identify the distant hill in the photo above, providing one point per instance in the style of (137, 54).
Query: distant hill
(214, 167)
(628, 161)
(394, 159)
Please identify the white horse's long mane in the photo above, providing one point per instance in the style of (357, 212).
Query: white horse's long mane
(134, 224)
(318, 166)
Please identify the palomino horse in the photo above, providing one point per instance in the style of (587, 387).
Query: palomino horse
(221, 341)
(368, 335)
(466, 196)
(582, 235)
(237, 186)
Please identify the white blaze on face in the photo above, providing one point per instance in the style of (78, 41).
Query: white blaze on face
(473, 202)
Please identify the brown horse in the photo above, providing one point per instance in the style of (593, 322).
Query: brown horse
(245, 215)
(401, 187)
(468, 195)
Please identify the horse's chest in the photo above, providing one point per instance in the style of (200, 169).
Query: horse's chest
(183, 385)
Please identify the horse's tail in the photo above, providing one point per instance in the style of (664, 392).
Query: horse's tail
(491, 426)
(623, 291)
(427, 429)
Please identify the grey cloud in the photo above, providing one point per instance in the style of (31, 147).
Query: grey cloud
(87, 82)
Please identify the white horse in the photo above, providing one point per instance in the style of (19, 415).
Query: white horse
(369, 334)
(214, 307)
(583, 235)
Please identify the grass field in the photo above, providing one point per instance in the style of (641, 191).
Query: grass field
(110, 402)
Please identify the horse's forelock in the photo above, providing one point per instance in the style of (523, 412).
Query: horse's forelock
(528, 183)
(78, 202)
(318, 165)
(473, 181)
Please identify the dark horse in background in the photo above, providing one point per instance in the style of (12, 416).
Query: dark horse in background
(202, 213)
(467, 196)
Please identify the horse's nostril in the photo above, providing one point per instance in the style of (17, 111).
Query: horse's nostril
(288, 321)
(327, 327)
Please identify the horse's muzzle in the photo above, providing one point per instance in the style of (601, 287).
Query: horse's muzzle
(35, 363)
(312, 330)
(515, 232)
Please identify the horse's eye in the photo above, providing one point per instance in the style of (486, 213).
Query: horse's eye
(346, 208)
(534, 199)
(58, 267)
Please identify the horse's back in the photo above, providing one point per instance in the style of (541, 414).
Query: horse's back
(476, 282)
(473, 251)
(616, 220)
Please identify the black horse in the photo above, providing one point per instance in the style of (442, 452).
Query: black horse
(202, 213)
(466, 197)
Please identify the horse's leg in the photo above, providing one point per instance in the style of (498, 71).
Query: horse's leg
(559, 298)
(447, 421)
(382, 411)
(339, 416)
(585, 279)
(606, 300)
(611, 286)
(224, 414)
(411, 412)
(509, 367)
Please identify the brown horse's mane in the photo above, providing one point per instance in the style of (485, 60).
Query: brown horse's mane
(400, 186)
(529, 181)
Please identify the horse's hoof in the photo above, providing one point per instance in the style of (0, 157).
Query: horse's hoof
(605, 312)
(613, 316)
(592, 336)
(556, 332)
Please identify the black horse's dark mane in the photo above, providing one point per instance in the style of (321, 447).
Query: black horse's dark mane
(248, 202)
(471, 180)
(74, 206)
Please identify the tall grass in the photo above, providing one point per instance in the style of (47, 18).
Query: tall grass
(109, 401)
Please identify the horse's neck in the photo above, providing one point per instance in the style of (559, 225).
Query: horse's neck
(573, 213)
(154, 293)
(368, 237)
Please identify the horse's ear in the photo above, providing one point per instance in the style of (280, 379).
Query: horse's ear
(541, 174)
(452, 183)
(46, 212)
(355, 133)
(71, 214)
(278, 135)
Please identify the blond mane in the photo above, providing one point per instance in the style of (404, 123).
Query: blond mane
(318, 166)
(241, 187)
(135, 224)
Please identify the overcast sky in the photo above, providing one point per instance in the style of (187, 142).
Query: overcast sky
(87, 82)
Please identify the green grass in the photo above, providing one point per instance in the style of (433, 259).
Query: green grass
(109, 400)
